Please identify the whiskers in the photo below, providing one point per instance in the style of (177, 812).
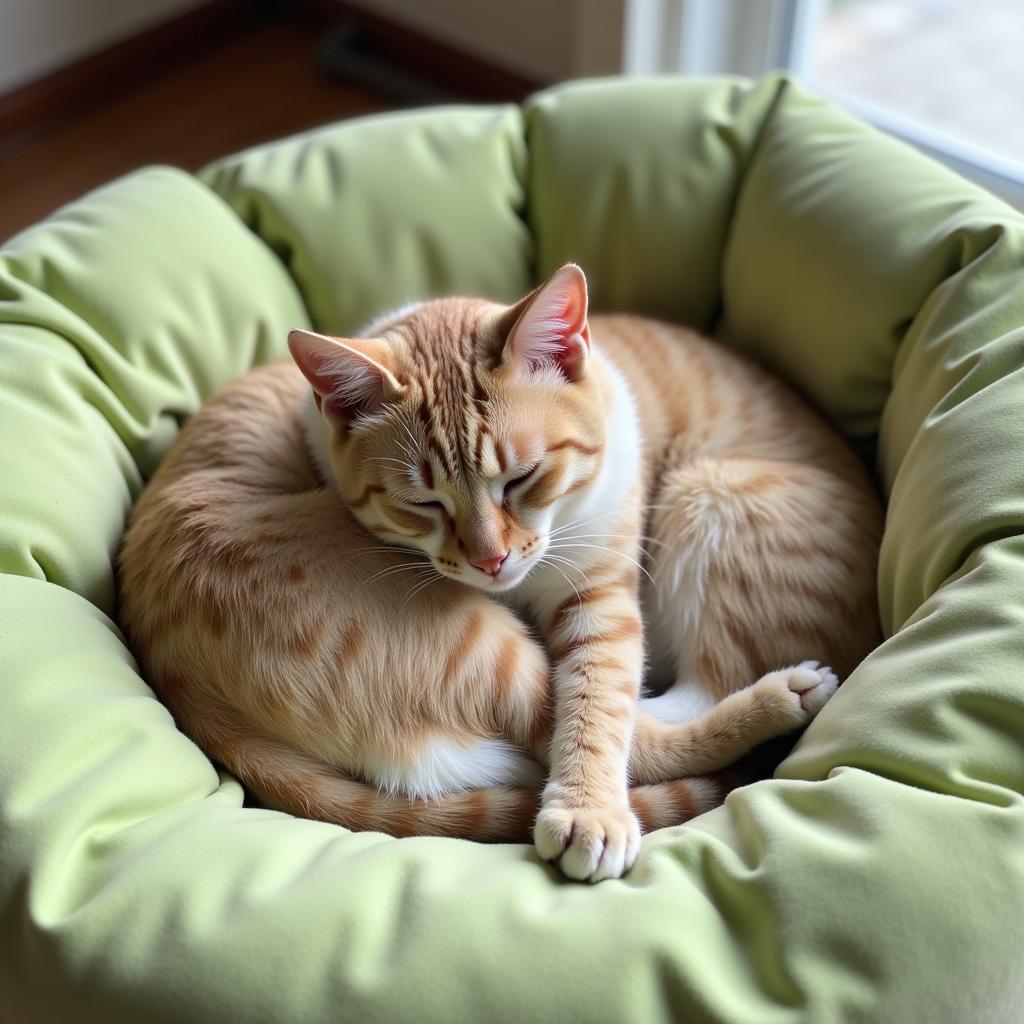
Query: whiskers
(571, 545)
(421, 570)
(376, 548)
(393, 570)
(419, 567)
(590, 520)
(556, 562)
(406, 467)
(426, 581)
(567, 538)
(412, 448)
(583, 521)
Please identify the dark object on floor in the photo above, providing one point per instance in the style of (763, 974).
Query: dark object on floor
(351, 53)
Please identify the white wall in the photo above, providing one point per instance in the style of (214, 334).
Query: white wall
(38, 36)
(543, 39)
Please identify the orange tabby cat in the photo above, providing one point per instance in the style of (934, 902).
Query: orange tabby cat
(520, 456)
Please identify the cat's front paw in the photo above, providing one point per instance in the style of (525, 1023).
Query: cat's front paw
(588, 844)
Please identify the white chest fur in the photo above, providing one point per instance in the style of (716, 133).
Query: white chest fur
(582, 528)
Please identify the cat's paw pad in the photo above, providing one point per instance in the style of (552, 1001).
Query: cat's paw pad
(814, 683)
(588, 843)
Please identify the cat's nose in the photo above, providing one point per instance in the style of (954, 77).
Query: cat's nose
(491, 566)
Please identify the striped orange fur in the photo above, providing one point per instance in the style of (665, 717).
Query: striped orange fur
(351, 633)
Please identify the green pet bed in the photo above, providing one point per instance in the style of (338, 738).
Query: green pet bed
(878, 877)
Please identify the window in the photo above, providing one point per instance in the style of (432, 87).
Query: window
(946, 75)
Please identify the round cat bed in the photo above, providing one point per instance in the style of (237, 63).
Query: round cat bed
(878, 876)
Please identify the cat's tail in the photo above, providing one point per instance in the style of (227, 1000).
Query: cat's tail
(287, 780)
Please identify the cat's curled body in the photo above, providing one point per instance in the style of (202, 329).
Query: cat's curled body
(528, 461)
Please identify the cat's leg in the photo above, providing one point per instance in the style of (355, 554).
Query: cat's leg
(754, 567)
(595, 640)
(779, 702)
(669, 741)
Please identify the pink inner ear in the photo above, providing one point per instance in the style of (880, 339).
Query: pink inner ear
(572, 358)
(553, 329)
(346, 382)
(574, 310)
(358, 388)
(312, 354)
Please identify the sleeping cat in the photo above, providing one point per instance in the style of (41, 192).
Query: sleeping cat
(522, 460)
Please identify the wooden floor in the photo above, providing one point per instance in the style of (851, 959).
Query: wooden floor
(261, 84)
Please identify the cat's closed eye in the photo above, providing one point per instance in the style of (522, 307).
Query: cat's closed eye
(521, 479)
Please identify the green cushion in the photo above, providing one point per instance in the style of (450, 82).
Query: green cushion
(879, 876)
(373, 214)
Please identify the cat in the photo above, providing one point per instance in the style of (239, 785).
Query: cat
(522, 461)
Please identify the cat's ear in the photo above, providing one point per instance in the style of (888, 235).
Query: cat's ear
(549, 327)
(350, 378)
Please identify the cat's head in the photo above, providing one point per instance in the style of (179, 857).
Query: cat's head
(466, 429)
